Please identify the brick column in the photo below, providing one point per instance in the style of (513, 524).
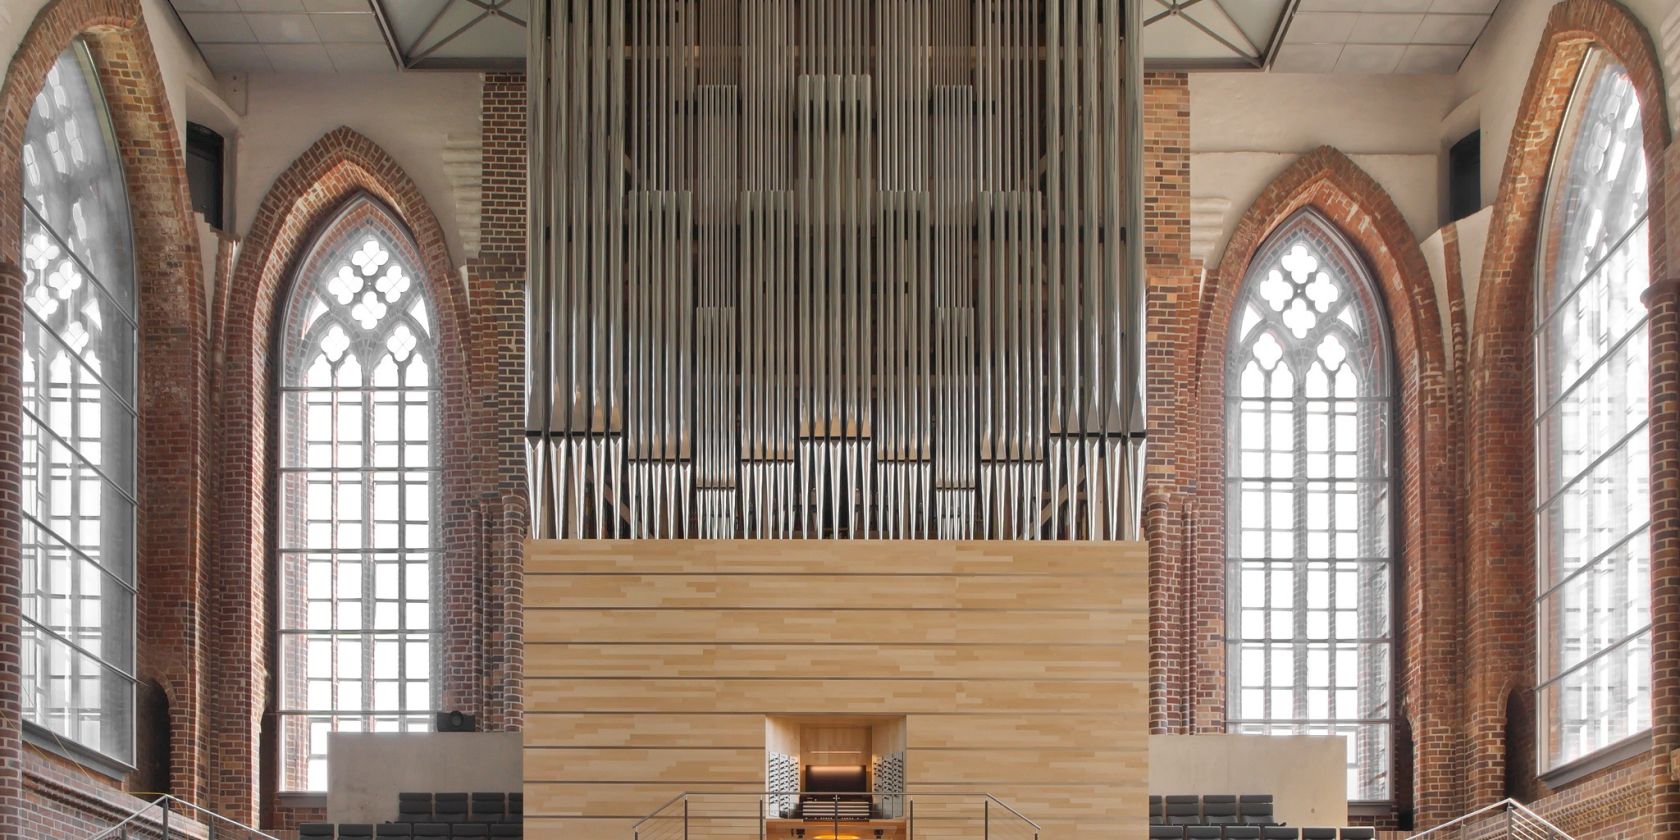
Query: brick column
(1663, 300)
(11, 550)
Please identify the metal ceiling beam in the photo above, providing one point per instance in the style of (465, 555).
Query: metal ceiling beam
(413, 57)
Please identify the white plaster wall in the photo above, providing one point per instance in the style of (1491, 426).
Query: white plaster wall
(1306, 774)
(410, 115)
(1246, 128)
(367, 770)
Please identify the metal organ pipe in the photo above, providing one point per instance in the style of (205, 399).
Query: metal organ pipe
(835, 269)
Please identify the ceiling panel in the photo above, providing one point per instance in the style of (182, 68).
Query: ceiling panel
(1292, 36)
(1380, 36)
(287, 36)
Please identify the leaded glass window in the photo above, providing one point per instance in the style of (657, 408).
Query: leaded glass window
(1592, 397)
(1309, 490)
(358, 494)
(78, 436)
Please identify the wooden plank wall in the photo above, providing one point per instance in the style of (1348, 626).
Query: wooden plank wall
(650, 667)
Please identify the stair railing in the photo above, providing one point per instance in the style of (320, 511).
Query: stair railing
(1506, 819)
(154, 820)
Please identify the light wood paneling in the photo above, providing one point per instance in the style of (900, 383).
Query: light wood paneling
(783, 625)
(651, 666)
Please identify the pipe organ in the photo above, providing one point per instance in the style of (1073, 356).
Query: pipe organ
(835, 269)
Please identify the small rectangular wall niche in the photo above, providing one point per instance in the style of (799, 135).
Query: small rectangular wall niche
(794, 744)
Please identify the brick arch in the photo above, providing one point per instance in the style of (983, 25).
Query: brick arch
(341, 174)
(1326, 183)
(1500, 470)
(173, 347)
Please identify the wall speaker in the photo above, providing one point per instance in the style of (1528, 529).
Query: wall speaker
(456, 721)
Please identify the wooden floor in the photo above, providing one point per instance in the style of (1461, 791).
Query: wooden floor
(650, 667)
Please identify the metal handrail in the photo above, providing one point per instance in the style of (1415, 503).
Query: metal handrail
(163, 803)
(766, 794)
(1506, 805)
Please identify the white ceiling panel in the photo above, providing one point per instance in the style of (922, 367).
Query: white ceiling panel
(361, 58)
(271, 5)
(1397, 5)
(185, 6)
(1382, 36)
(236, 58)
(1307, 58)
(348, 28)
(1294, 36)
(219, 28)
(1432, 59)
(1385, 29)
(1369, 59)
(281, 28)
(1464, 7)
(299, 58)
(1451, 29)
(1321, 28)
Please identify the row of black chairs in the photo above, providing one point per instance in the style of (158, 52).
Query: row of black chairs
(1251, 809)
(1256, 832)
(411, 831)
(460, 807)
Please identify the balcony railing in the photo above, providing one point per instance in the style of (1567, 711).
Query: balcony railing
(773, 815)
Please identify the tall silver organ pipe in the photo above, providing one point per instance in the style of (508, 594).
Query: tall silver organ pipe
(835, 269)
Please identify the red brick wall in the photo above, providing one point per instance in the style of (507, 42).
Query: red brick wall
(1188, 445)
(1500, 566)
(1170, 323)
(173, 395)
(340, 167)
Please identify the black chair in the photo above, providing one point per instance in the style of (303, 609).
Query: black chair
(508, 830)
(414, 807)
(1279, 832)
(431, 829)
(1203, 832)
(489, 807)
(1157, 810)
(472, 831)
(1219, 799)
(1255, 810)
(355, 831)
(315, 831)
(393, 831)
(516, 806)
(1242, 832)
(1219, 813)
(1184, 810)
(1318, 834)
(1359, 833)
(1166, 832)
(449, 807)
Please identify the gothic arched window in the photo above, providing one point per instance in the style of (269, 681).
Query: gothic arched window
(1309, 496)
(78, 437)
(358, 493)
(1592, 497)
